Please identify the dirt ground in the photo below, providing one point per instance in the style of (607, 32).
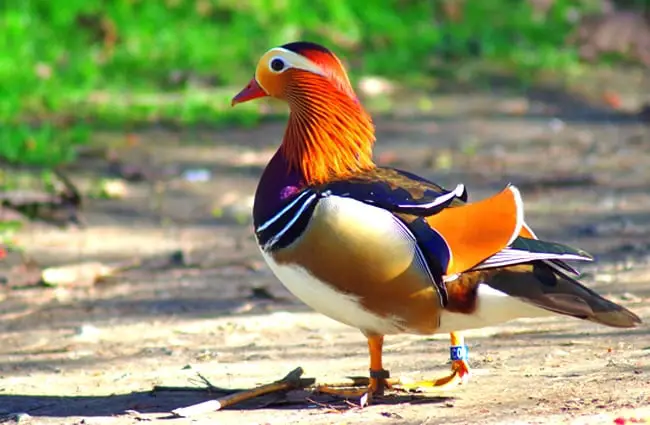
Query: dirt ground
(93, 354)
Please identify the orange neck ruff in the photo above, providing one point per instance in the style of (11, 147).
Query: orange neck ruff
(329, 134)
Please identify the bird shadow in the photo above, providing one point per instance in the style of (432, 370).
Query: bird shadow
(162, 402)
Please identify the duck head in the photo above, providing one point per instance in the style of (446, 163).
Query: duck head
(329, 134)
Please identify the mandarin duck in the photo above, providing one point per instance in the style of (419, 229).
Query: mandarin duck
(384, 250)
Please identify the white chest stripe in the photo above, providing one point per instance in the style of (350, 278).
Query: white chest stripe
(283, 211)
(293, 220)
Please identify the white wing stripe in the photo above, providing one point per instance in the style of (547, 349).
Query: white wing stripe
(513, 256)
(458, 192)
(422, 260)
(519, 203)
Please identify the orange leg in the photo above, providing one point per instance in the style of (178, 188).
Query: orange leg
(378, 376)
(378, 382)
(460, 370)
(460, 366)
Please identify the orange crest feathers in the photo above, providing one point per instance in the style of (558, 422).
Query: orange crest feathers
(326, 60)
(329, 134)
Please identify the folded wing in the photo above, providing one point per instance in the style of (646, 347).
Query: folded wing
(485, 242)
(454, 235)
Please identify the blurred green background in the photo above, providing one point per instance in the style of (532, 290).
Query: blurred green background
(70, 68)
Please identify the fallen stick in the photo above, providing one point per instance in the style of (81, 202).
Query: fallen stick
(356, 382)
(289, 382)
(209, 387)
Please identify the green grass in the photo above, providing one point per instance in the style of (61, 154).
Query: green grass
(68, 68)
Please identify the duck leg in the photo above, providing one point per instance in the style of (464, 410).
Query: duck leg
(378, 376)
(460, 371)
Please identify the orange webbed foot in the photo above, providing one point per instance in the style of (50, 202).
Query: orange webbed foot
(378, 383)
(460, 371)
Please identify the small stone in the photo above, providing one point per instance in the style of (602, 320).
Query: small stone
(87, 332)
(605, 278)
(21, 417)
(556, 125)
(199, 175)
(628, 296)
(114, 188)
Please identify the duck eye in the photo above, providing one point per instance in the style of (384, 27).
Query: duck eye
(277, 64)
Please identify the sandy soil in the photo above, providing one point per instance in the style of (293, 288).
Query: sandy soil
(92, 354)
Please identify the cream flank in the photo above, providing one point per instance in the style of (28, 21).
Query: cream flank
(324, 299)
(372, 224)
(493, 307)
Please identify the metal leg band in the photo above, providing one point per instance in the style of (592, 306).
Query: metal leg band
(379, 374)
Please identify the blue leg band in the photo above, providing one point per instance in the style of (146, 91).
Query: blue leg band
(459, 352)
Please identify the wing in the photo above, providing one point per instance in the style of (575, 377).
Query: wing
(453, 235)
(488, 234)
(538, 284)
(392, 190)
(396, 191)
(557, 264)
(474, 232)
(524, 250)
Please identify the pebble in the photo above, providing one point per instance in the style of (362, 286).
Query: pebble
(199, 175)
(556, 125)
(628, 296)
(21, 417)
(88, 332)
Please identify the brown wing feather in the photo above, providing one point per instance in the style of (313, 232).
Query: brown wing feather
(539, 284)
(401, 180)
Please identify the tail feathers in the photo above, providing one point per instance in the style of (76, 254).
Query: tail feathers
(543, 286)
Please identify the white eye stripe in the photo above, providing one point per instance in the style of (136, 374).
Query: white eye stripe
(292, 60)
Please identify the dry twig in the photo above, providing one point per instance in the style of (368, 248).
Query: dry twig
(291, 381)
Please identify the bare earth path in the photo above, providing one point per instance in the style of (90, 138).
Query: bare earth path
(92, 354)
